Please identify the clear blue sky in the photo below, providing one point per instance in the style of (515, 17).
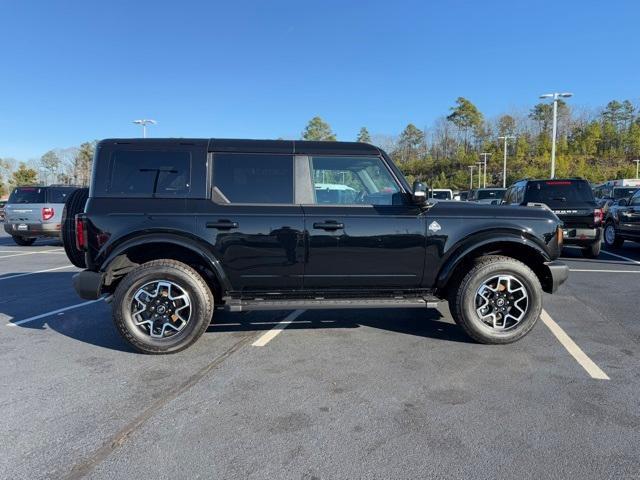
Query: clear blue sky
(79, 70)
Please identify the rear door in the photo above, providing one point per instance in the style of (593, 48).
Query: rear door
(24, 209)
(363, 233)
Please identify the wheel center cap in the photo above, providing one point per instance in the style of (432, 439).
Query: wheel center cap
(500, 302)
(161, 309)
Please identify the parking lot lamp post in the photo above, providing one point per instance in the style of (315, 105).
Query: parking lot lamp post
(504, 163)
(555, 97)
(637, 164)
(471, 167)
(144, 122)
(484, 176)
(479, 173)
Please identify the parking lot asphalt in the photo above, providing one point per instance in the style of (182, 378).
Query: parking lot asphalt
(336, 394)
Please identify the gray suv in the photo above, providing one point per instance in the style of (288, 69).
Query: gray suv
(33, 212)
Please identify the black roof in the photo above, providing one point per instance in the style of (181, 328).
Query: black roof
(254, 146)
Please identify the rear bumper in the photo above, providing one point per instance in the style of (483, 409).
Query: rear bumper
(558, 273)
(33, 229)
(88, 284)
(581, 236)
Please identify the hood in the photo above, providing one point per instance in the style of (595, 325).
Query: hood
(479, 210)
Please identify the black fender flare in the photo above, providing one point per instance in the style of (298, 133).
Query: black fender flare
(177, 239)
(479, 240)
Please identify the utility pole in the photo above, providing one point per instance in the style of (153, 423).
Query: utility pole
(504, 164)
(484, 181)
(144, 123)
(555, 96)
(637, 164)
(471, 167)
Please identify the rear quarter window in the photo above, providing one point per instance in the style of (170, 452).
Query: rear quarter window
(58, 195)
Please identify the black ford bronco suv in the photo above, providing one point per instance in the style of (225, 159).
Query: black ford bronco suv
(170, 229)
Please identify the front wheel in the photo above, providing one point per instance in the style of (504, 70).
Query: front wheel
(162, 306)
(23, 241)
(498, 300)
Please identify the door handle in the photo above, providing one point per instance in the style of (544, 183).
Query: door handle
(328, 225)
(223, 225)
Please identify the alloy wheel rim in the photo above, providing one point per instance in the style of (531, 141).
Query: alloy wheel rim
(610, 234)
(161, 309)
(501, 302)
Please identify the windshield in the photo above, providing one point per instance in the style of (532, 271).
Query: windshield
(27, 195)
(556, 193)
(441, 195)
(623, 192)
(493, 194)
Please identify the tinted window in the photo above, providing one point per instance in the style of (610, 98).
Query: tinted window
(441, 195)
(635, 200)
(58, 194)
(138, 173)
(490, 194)
(352, 181)
(252, 178)
(27, 195)
(623, 192)
(556, 193)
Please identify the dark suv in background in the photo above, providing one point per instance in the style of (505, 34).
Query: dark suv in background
(572, 200)
(35, 211)
(173, 228)
(622, 221)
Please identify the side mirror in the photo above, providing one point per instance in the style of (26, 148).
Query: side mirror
(622, 202)
(419, 192)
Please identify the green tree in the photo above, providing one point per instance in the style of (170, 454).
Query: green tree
(24, 176)
(466, 116)
(363, 136)
(50, 162)
(317, 129)
(410, 143)
(506, 125)
(542, 114)
(83, 163)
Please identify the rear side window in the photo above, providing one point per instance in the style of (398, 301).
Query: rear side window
(58, 195)
(556, 193)
(252, 178)
(149, 173)
(27, 195)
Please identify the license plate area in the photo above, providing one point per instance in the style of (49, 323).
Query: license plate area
(22, 227)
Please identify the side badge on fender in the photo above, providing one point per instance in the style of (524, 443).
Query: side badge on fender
(435, 226)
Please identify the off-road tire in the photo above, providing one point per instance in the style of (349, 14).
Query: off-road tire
(23, 241)
(618, 241)
(592, 251)
(184, 276)
(75, 204)
(462, 299)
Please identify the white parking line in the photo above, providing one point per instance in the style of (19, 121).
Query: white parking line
(620, 256)
(602, 271)
(30, 253)
(275, 331)
(53, 312)
(576, 352)
(37, 271)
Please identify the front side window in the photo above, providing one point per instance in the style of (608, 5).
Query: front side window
(635, 200)
(352, 181)
(253, 178)
(148, 173)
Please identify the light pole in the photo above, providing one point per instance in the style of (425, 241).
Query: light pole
(484, 176)
(637, 164)
(144, 122)
(479, 172)
(504, 164)
(555, 97)
(471, 167)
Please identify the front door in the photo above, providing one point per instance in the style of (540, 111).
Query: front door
(253, 222)
(362, 230)
(630, 217)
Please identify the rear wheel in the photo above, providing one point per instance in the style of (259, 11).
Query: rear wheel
(163, 306)
(498, 300)
(75, 204)
(23, 241)
(611, 237)
(592, 251)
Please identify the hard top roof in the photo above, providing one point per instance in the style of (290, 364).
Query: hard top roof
(254, 146)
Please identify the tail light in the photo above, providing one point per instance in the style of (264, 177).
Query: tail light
(81, 236)
(598, 216)
(47, 213)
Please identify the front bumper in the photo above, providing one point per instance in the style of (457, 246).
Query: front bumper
(558, 274)
(88, 284)
(32, 229)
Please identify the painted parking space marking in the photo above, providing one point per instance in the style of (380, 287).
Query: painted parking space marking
(620, 256)
(275, 331)
(572, 347)
(30, 253)
(37, 271)
(602, 271)
(53, 312)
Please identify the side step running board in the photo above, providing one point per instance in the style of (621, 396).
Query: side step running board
(317, 304)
